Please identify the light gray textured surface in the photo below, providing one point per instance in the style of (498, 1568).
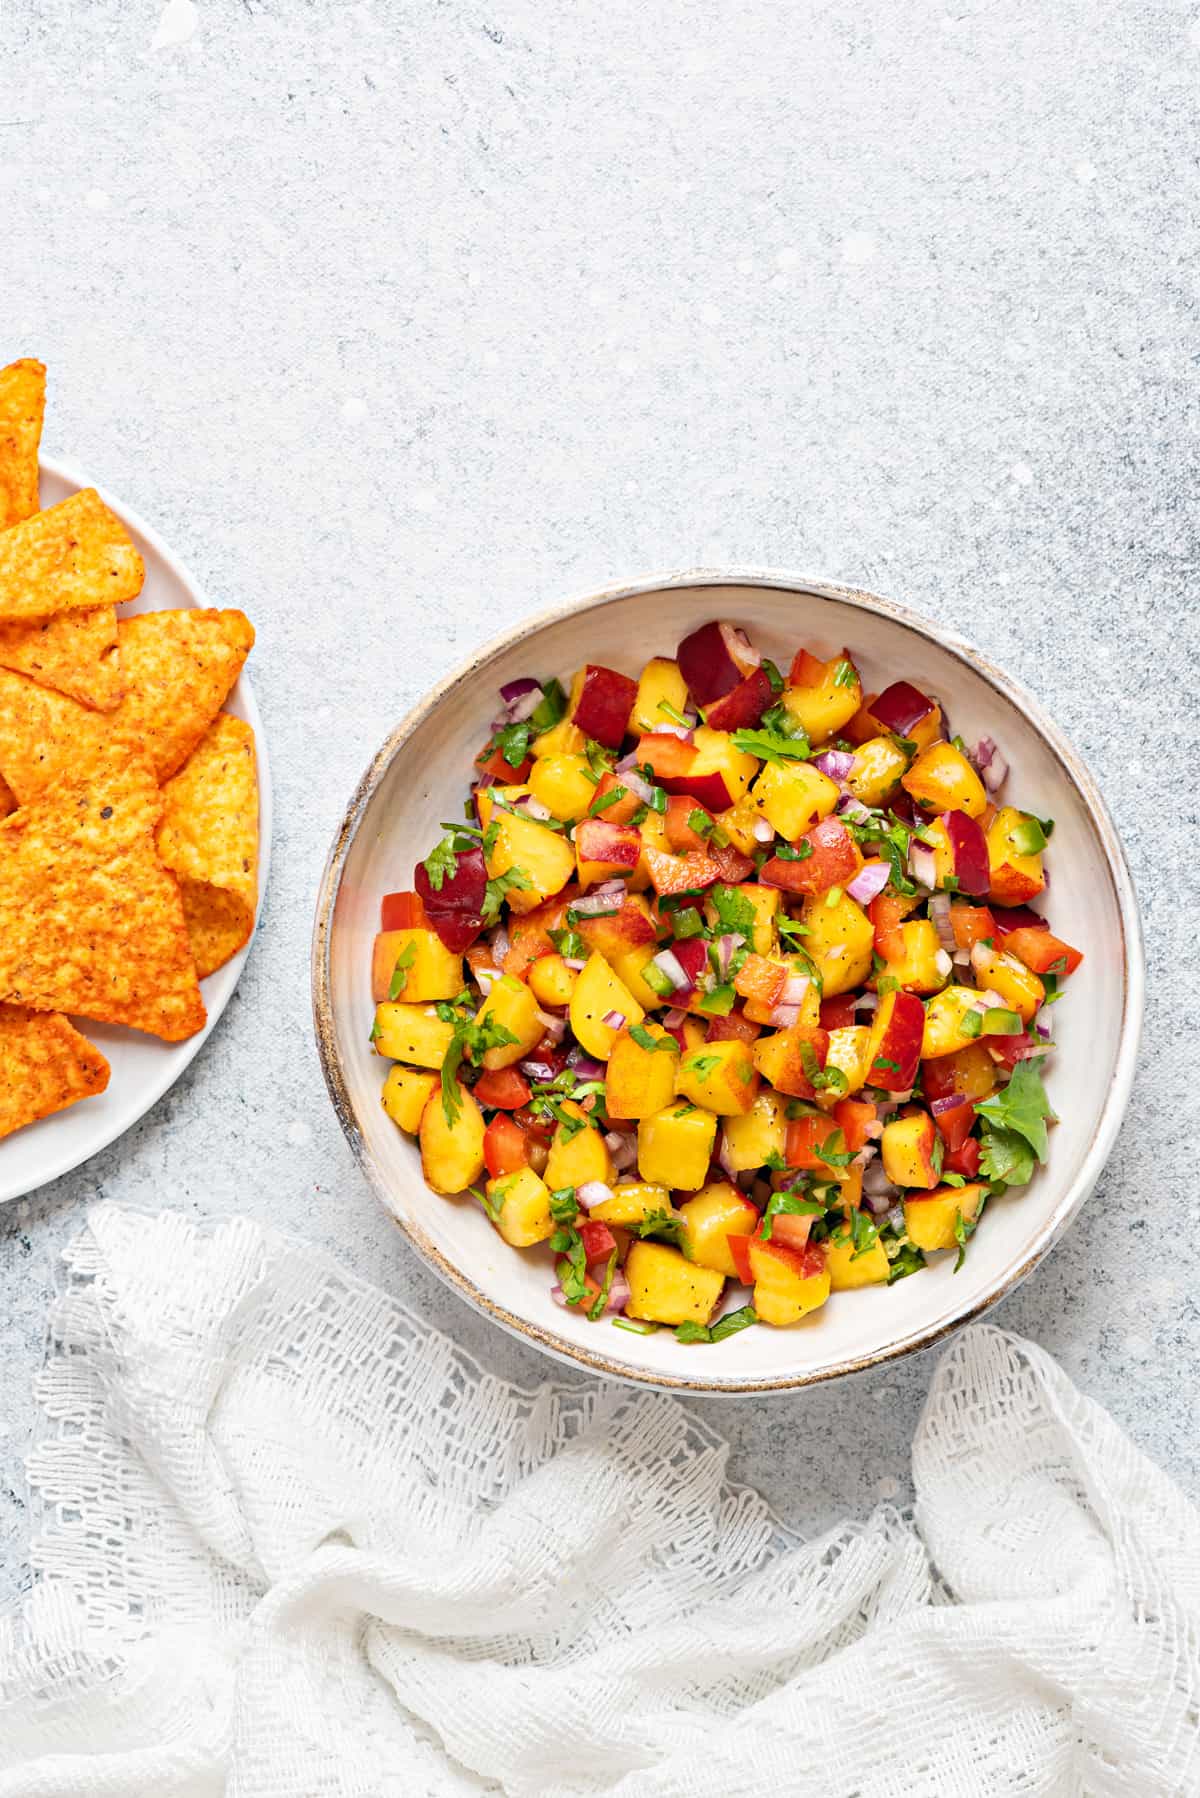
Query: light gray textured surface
(401, 320)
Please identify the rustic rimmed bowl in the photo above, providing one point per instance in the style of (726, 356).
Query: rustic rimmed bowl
(420, 776)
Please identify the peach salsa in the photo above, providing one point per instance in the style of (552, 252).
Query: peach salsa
(727, 980)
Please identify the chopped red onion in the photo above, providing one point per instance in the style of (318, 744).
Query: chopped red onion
(608, 887)
(763, 832)
(838, 764)
(902, 1098)
(613, 1020)
(865, 1156)
(866, 1002)
(520, 688)
(533, 808)
(593, 1192)
(572, 961)
(673, 1019)
(524, 707)
(558, 1295)
(873, 1131)
(741, 650)
(586, 1066)
(498, 943)
(869, 882)
(794, 989)
(623, 1150)
(595, 905)
(668, 963)
(854, 809)
(487, 978)
(991, 764)
(944, 964)
(638, 785)
(938, 1106)
(626, 762)
(939, 914)
(537, 1070)
(922, 865)
(673, 730)
(875, 1180)
(553, 1027)
(782, 1017)
(961, 958)
(619, 1293)
(878, 1203)
(724, 1159)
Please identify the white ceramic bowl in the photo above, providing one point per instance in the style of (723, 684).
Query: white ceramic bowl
(142, 1067)
(422, 774)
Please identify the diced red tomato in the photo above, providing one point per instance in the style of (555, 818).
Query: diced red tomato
(837, 1014)
(1042, 951)
(492, 765)
(403, 911)
(598, 1240)
(955, 1122)
(805, 1135)
(739, 1248)
(760, 980)
(971, 924)
(853, 1116)
(504, 1147)
(506, 1089)
(964, 1160)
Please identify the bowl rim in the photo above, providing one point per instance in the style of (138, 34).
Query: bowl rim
(1132, 1003)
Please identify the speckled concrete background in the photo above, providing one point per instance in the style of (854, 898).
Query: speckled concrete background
(402, 319)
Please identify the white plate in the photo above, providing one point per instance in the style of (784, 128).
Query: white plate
(420, 776)
(142, 1067)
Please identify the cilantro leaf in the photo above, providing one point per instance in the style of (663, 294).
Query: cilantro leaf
(441, 861)
(729, 1325)
(515, 880)
(772, 745)
(404, 962)
(1021, 1108)
(644, 1040)
(735, 913)
(792, 1204)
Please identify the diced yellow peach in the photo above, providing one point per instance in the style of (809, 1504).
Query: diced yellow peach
(563, 783)
(943, 780)
(661, 686)
(510, 1004)
(911, 1151)
(522, 1203)
(850, 1053)
(921, 966)
(1016, 876)
(431, 971)
(847, 1270)
(840, 940)
(451, 1152)
(785, 1290)
(793, 796)
(879, 764)
(640, 1080)
(563, 738)
(665, 1288)
(944, 1014)
(654, 836)
(411, 1033)
(721, 1077)
(747, 1141)
(717, 1211)
(405, 1095)
(765, 903)
(578, 1154)
(738, 824)
(1017, 985)
(486, 798)
(821, 710)
(675, 1146)
(544, 857)
(717, 755)
(930, 1218)
(600, 994)
(551, 981)
(633, 1203)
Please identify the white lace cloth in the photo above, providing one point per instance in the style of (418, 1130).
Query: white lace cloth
(294, 1543)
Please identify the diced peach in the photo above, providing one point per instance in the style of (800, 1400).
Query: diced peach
(714, 659)
(788, 1283)
(605, 851)
(832, 860)
(943, 780)
(1043, 952)
(661, 686)
(822, 696)
(601, 706)
(1016, 877)
(910, 1150)
(680, 873)
(896, 1042)
(786, 1059)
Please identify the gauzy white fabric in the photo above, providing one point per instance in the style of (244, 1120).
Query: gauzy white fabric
(294, 1543)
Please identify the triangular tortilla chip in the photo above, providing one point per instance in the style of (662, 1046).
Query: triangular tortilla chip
(209, 839)
(90, 921)
(8, 799)
(73, 555)
(22, 406)
(75, 653)
(45, 1065)
(178, 668)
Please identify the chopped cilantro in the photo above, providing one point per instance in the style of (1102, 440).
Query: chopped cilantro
(729, 1325)
(492, 1203)
(772, 745)
(735, 913)
(700, 1064)
(664, 705)
(473, 1040)
(964, 1229)
(773, 675)
(658, 1223)
(1014, 1126)
(644, 1040)
(564, 1206)
(845, 675)
(515, 880)
(904, 1258)
(569, 944)
(635, 1325)
(404, 962)
(792, 1204)
(602, 801)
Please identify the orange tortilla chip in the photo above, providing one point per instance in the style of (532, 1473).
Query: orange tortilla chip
(8, 799)
(90, 921)
(74, 555)
(22, 407)
(178, 668)
(45, 1065)
(208, 838)
(74, 652)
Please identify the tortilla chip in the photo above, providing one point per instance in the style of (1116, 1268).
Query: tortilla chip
(209, 839)
(22, 407)
(8, 799)
(45, 1065)
(178, 668)
(72, 556)
(75, 653)
(90, 921)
